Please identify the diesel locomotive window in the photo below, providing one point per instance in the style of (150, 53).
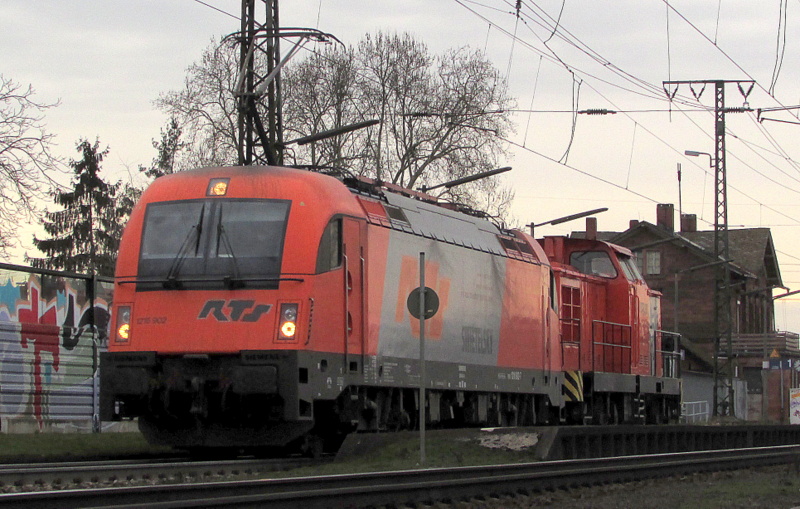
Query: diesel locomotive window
(594, 263)
(329, 255)
(211, 243)
(629, 268)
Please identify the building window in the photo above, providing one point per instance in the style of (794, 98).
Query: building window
(649, 262)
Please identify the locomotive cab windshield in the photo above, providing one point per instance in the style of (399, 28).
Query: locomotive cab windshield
(593, 263)
(201, 244)
(629, 268)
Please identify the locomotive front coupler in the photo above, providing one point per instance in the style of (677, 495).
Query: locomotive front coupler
(199, 406)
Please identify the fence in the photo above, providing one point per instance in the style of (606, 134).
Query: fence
(53, 326)
(695, 411)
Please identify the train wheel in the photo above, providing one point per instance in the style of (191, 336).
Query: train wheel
(313, 446)
(615, 414)
(399, 421)
(600, 413)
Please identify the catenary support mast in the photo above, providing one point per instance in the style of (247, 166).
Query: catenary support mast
(723, 323)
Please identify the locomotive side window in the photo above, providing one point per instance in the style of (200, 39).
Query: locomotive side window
(570, 314)
(329, 255)
(593, 263)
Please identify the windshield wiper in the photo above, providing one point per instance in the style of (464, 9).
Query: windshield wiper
(236, 281)
(172, 283)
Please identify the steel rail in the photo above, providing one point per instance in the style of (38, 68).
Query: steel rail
(382, 488)
(63, 475)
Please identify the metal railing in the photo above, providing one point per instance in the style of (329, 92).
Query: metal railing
(670, 353)
(611, 347)
(695, 411)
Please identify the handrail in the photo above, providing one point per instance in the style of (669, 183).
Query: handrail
(611, 347)
(695, 411)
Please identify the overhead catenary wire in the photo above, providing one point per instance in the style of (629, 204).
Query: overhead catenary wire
(201, 2)
(745, 194)
(723, 52)
(780, 49)
(651, 91)
(554, 30)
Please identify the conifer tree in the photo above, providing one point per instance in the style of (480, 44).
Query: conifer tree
(84, 235)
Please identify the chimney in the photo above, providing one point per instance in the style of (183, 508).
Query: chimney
(688, 223)
(591, 228)
(633, 223)
(665, 216)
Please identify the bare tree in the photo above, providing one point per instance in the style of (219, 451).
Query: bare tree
(321, 95)
(27, 165)
(440, 117)
(205, 109)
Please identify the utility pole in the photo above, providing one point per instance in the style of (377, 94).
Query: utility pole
(723, 293)
(258, 42)
(258, 88)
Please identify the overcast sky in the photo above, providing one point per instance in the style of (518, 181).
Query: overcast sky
(107, 60)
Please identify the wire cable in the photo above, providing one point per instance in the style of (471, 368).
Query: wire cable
(218, 10)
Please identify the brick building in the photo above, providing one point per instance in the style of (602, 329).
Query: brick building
(679, 260)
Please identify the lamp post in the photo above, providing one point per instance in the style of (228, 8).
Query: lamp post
(695, 153)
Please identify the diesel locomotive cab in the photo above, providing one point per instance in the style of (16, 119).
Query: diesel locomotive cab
(213, 309)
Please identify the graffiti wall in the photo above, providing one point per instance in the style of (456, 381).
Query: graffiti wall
(52, 330)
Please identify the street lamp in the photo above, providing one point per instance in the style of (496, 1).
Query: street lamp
(694, 153)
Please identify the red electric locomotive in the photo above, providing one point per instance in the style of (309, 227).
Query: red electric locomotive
(265, 306)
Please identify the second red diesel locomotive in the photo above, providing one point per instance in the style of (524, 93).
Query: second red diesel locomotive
(266, 306)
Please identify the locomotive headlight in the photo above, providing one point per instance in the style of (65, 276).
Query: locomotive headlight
(287, 328)
(123, 325)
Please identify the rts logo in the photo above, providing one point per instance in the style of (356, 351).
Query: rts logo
(237, 310)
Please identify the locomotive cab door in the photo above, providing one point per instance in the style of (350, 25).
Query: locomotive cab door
(353, 235)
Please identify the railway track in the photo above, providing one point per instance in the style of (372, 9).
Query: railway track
(383, 488)
(111, 473)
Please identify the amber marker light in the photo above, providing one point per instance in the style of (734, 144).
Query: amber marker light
(217, 187)
(124, 331)
(288, 329)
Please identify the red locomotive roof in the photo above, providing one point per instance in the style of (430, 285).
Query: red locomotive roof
(315, 199)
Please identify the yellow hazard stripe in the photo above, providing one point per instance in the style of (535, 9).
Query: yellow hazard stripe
(572, 390)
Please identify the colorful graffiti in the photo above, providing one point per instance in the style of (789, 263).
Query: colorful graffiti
(51, 333)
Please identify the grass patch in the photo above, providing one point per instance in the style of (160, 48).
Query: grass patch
(19, 448)
(401, 452)
(752, 488)
(398, 451)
